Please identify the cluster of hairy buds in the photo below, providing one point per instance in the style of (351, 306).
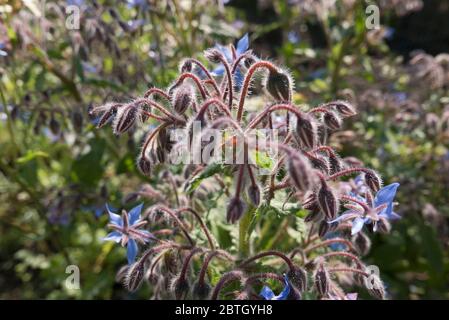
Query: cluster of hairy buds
(306, 168)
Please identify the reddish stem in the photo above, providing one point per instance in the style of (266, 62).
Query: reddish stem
(260, 64)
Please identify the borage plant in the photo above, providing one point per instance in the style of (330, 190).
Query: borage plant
(268, 157)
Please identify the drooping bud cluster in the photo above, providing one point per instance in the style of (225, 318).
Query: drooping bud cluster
(307, 171)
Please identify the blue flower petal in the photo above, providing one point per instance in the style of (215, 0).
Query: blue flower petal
(243, 44)
(134, 214)
(113, 217)
(132, 251)
(113, 236)
(285, 292)
(386, 194)
(226, 51)
(357, 225)
(345, 216)
(238, 79)
(218, 71)
(267, 293)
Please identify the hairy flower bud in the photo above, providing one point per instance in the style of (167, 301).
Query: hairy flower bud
(306, 131)
(213, 55)
(183, 98)
(279, 85)
(375, 286)
(311, 265)
(254, 194)
(135, 275)
(180, 287)
(344, 108)
(201, 291)
(328, 201)
(108, 114)
(335, 164)
(373, 180)
(298, 278)
(321, 280)
(235, 210)
(144, 165)
(320, 163)
(332, 120)
(120, 276)
(300, 172)
(186, 66)
(323, 229)
(125, 119)
(310, 202)
(383, 225)
(361, 243)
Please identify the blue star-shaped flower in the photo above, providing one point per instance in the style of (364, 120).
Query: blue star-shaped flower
(127, 230)
(268, 294)
(242, 47)
(382, 207)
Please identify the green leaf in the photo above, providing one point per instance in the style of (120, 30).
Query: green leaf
(209, 171)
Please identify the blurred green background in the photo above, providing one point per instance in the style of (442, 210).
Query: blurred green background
(57, 171)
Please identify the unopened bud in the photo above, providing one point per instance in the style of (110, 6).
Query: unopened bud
(373, 180)
(383, 225)
(121, 274)
(235, 210)
(279, 85)
(201, 290)
(321, 164)
(180, 287)
(328, 201)
(183, 98)
(300, 172)
(126, 117)
(344, 108)
(323, 229)
(144, 165)
(361, 243)
(298, 278)
(254, 194)
(213, 55)
(322, 280)
(186, 66)
(306, 131)
(135, 276)
(375, 286)
(332, 120)
(107, 116)
(335, 164)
